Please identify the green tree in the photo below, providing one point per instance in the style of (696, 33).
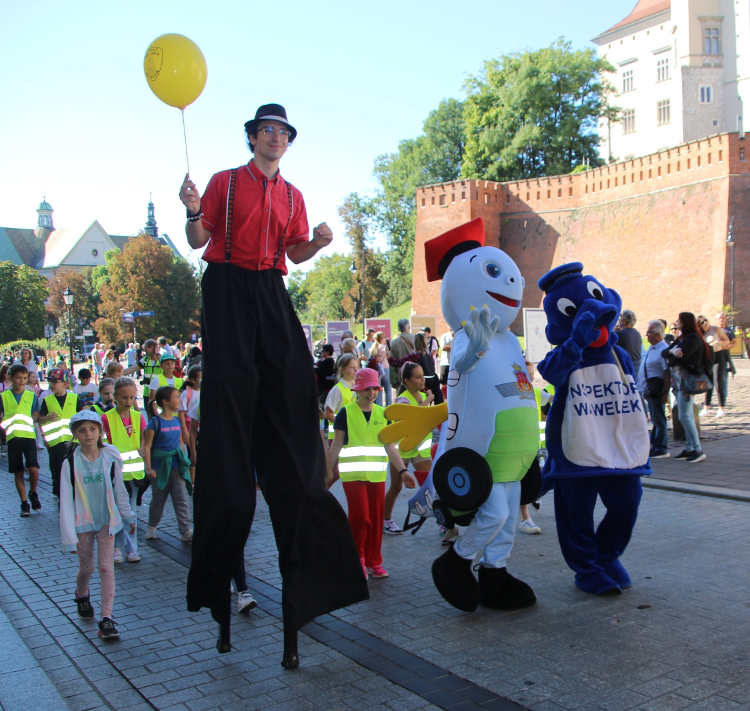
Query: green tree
(326, 286)
(85, 298)
(295, 286)
(23, 292)
(535, 113)
(147, 276)
(356, 214)
(435, 156)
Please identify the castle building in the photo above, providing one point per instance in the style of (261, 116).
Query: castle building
(47, 249)
(654, 228)
(683, 73)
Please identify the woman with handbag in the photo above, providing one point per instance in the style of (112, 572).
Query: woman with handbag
(687, 358)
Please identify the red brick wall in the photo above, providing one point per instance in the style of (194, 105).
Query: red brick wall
(653, 228)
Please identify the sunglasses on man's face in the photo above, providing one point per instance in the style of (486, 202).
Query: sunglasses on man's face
(703, 322)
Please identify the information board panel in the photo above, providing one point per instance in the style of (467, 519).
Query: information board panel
(537, 345)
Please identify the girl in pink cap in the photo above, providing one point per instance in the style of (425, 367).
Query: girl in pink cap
(363, 464)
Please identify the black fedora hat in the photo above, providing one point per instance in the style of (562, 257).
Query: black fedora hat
(271, 112)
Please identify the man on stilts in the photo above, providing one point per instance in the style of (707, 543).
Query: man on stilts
(267, 421)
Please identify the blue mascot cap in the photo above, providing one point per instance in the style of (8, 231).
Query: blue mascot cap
(559, 274)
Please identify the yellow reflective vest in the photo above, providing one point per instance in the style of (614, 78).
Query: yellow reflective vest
(133, 466)
(347, 397)
(425, 448)
(17, 416)
(59, 430)
(363, 458)
(151, 369)
(163, 381)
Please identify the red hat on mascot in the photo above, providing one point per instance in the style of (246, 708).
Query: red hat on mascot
(441, 250)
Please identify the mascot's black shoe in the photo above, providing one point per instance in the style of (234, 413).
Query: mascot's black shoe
(455, 582)
(500, 590)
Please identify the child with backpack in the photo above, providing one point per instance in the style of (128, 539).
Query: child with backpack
(93, 507)
(167, 464)
(124, 427)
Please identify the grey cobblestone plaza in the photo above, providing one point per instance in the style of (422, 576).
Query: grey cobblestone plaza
(677, 640)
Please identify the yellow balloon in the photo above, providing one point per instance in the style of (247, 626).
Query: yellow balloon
(175, 69)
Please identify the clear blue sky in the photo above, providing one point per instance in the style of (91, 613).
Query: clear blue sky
(80, 125)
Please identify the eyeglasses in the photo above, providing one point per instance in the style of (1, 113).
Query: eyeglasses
(703, 322)
(271, 131)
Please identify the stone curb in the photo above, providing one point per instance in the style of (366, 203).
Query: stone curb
(716, 492)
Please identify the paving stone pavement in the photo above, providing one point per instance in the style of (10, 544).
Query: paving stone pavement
(677, 640)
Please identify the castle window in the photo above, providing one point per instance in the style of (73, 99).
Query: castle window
(463, 195)
(453, 197)
(570, 192)
(423, 202)
(706, 95)
(433, 199)
(662, 69)
(628, 82)
(711, 41)
(628, 121)
(663, 112)
(442, 199)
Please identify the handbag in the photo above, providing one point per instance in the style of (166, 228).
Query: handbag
(695, 384)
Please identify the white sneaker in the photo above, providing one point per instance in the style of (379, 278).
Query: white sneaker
(245, 602)
(150, 533)
(703, 412)
(720, 412)
(528, 526)
(133, 558)
(187, 537)
(391, 527)
(118, 556)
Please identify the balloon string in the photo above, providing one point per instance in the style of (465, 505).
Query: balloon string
(184, 135)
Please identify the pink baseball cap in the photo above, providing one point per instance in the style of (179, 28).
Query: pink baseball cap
(366, 378)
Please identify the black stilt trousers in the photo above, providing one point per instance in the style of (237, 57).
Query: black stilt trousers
(259, 410)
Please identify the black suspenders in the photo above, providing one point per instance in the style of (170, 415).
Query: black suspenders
(230, 217)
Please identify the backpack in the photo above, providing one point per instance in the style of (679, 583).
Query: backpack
(70, 458)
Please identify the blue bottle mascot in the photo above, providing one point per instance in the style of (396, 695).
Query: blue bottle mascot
(597, 436)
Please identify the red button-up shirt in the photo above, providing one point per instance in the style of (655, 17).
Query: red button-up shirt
(261, 211)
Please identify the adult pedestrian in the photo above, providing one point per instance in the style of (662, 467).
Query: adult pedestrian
(26, 359)
(349, 345)
(432, 344)
(365, 346)
(653, 383)
(445, 355)
(250, 218)
(629, 339)
(96, 362)
(719, 342)
(401, 346)
(131, 355)
(164, 347)
(325, 369)
(381, 352)
(687, 358)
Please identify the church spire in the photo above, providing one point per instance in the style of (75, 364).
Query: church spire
(151, 228)
(45, 214)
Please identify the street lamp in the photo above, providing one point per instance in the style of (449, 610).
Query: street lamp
(68, 296)
(730, 244)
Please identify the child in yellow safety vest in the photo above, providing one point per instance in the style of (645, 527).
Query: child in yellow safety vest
(19, 410)
(162, 380)
(363, 462)
(124, 426)
(543, 400)
(340, 395)
(106, 397)
(411, 392)
(54, 418)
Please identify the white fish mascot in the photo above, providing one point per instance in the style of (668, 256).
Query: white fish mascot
(490, 435)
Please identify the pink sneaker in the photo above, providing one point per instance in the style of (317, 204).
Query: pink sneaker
(364, 567)
(378, 571)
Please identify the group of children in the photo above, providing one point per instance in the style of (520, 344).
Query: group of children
(362, 463)
(103, 456)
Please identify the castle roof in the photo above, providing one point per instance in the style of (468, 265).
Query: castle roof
(643, 10)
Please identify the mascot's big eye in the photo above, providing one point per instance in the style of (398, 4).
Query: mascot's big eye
(594, 290)
(567, 307)
(492, 269)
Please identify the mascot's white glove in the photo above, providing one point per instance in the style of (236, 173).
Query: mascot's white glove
(480, 331)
